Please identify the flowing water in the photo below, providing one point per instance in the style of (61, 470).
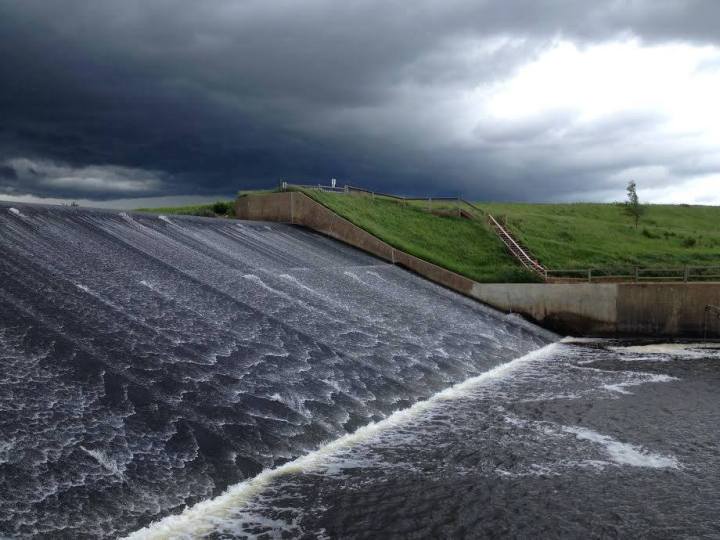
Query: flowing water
(149, 363)
(576, 440)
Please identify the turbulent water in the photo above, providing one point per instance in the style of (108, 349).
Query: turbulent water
(149, 363)
(577, 440)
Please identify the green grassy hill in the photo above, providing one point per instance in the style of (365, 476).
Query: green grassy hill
(464, 246)
(595, 235)
(562, 236)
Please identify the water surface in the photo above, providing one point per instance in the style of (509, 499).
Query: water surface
(588, 440)
(149, 362)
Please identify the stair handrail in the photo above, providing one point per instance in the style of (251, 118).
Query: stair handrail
(471, 205)
(533, 264)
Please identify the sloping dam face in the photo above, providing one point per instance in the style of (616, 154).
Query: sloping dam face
(149, 362)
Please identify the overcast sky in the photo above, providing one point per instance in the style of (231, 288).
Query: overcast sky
(534, 100)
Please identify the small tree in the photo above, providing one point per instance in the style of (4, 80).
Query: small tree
(633, 208)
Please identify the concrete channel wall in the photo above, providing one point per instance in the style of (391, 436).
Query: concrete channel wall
(610, 309)
(581, 309)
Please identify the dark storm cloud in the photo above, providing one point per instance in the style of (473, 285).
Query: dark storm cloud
(135, 98)
(8, 173)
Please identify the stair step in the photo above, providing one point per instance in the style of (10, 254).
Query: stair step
(520, 253)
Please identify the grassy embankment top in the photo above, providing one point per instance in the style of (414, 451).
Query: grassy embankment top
(464, 246)
(461, 245)
(216, 209)
(584, 235)
(580, 235)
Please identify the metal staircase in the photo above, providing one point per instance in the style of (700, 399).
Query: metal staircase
(522, 255)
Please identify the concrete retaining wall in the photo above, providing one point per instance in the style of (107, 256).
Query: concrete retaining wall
(298, 208)
(610, 309)
(577, 308)
(591, 309)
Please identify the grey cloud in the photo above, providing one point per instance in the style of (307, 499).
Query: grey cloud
(537, 160)
(8, 173)
(47, 178)
(215, 96)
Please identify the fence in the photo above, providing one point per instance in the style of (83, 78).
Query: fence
(355, 189)
(457, 205)
(460, 207)
(635, 274)
(285, 186)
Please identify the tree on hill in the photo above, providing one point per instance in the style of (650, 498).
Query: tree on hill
(633, 208)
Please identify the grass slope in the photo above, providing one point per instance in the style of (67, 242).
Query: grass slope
(461, 245)
(562, 236)
(586, 235)
(216, 209)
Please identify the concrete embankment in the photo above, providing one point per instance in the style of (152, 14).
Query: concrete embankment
(610, 309)
(592, 309)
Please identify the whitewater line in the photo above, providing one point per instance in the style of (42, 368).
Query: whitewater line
(202, 518)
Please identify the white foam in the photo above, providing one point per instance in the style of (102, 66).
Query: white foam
(5, 448)
(570, 340)
(258, 281)
(16, 212)
(624, 453)
(375, 274)
(644, 358)
(312, 291)
(205, 516)
(165, 219)
(103, 460)
(293, 299)
(148, 285)
(675, 349)
(643, 378)
(618, 453)
(354, 276)
(549, 396)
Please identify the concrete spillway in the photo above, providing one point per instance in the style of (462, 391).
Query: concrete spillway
(150, 362)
